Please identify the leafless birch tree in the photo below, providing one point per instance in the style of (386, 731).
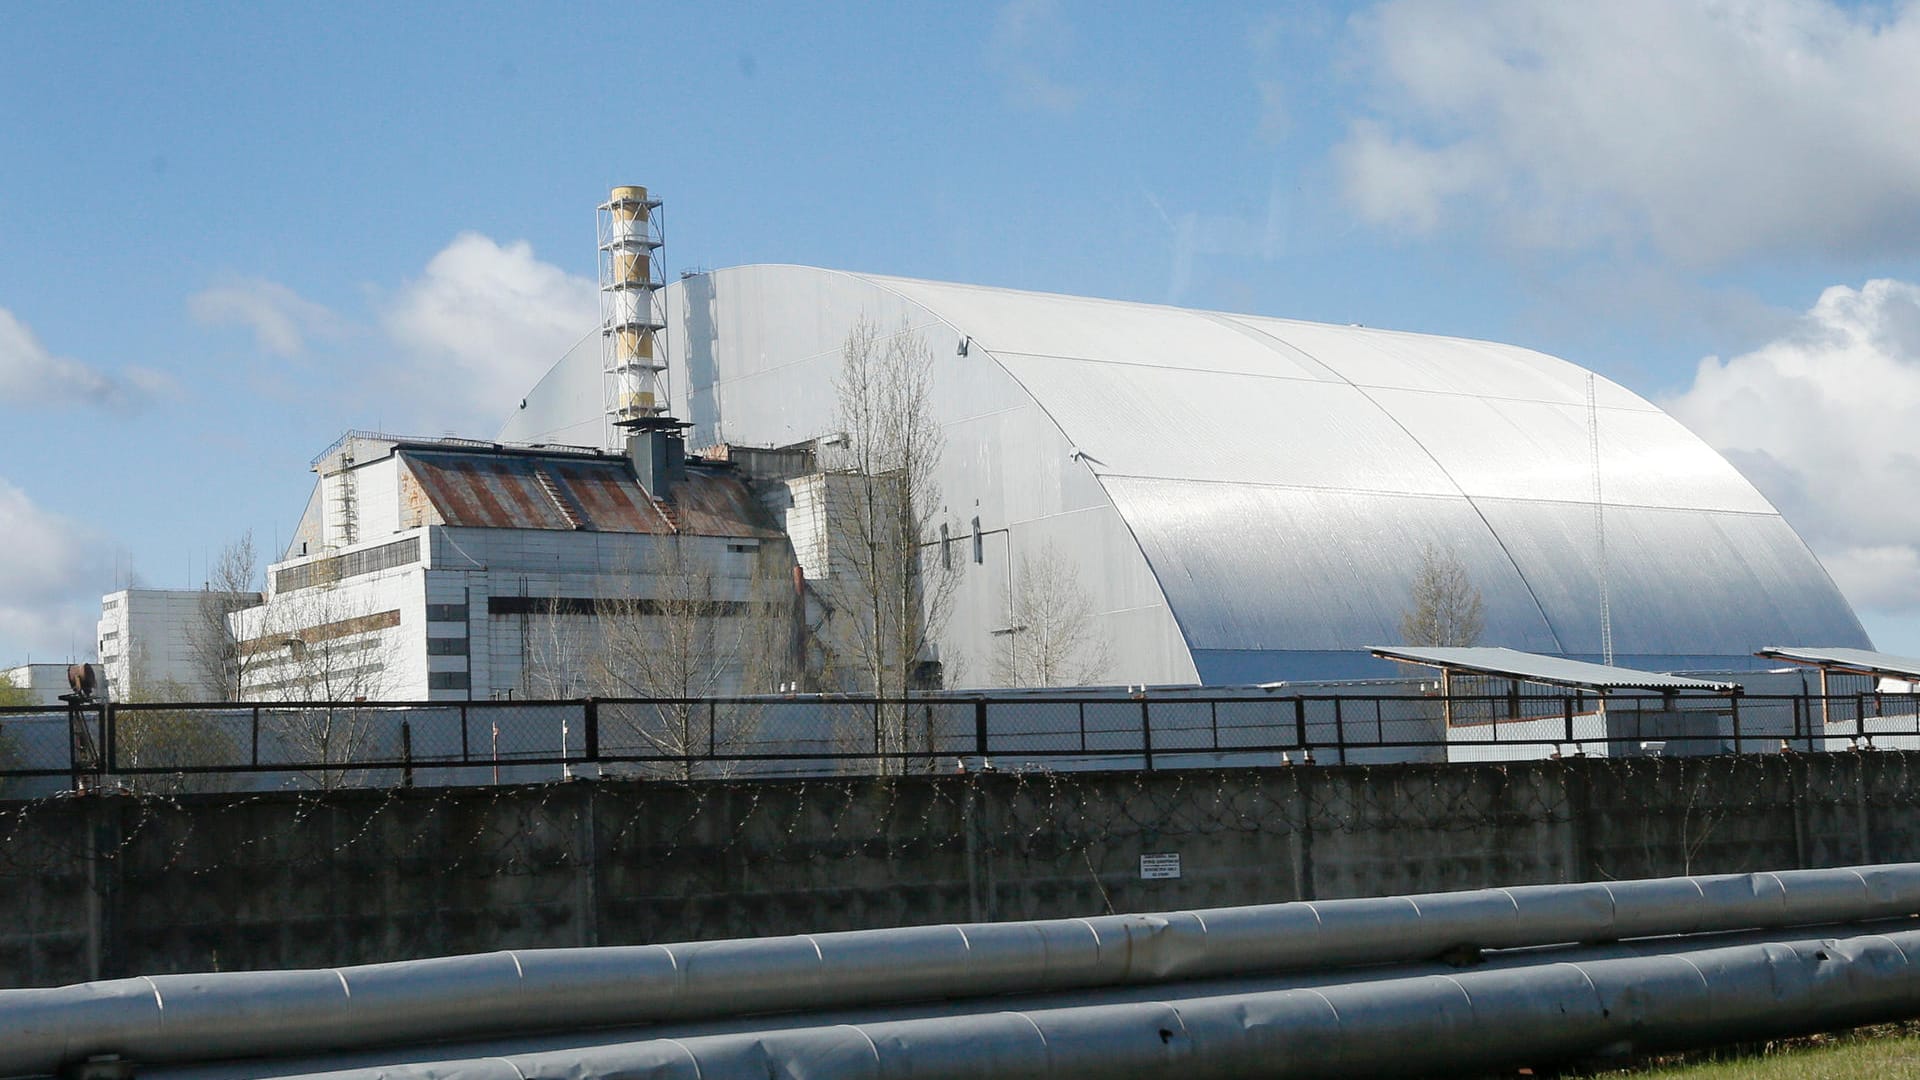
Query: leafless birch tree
(1445, 608)
(326, 649)
(895, 593)
(698, 630)
(1050, 638)
(232, 585)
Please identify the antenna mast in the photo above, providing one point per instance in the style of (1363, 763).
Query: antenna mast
(1599, 522)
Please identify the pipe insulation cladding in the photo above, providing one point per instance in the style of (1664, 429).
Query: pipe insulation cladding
(201, 1017)
(1392, 1026)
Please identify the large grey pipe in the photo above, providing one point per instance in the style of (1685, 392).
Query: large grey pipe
(200, 1017)
(1396, 1026)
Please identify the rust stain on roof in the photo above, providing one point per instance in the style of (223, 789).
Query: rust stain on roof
(475, 489)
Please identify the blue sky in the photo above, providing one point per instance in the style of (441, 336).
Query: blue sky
(229, 233)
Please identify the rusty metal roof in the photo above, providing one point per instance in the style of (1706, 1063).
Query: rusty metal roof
(477, 489)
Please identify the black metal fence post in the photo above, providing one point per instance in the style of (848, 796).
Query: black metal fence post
(590, 723)
(1733, 703)
(1146, 733)
(256, 737)
(1300, 724)
(109, 739)
(1340, 731)
(406, 754)
(980, 727)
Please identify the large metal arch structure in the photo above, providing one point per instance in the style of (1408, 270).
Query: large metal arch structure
(1246, 498)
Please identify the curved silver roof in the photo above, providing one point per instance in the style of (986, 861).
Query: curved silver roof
(1279, 478)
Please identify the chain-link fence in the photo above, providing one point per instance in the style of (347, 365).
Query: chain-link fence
(186, 747)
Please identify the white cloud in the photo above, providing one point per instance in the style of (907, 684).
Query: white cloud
(482, 325)
(32, 376)
(51, 580)
(1030, 43)
(281, 319)
(1706, 131)
(1825, 420)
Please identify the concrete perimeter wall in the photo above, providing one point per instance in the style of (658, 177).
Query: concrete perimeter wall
(102, 886)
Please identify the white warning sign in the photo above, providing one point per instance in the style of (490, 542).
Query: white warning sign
(1154, 867)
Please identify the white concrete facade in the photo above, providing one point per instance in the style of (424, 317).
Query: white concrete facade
(146, 642)
(417, 609)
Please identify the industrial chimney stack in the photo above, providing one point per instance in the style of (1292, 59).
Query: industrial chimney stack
(632, 329)
(631, 317)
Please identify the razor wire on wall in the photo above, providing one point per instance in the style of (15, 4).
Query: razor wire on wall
(115, 883)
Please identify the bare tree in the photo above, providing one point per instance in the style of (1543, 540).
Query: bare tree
(232, 585)
(324, 647)
(696, 617)
(1050, 638)
(1445, 608)
(893, 600)
(688, 629)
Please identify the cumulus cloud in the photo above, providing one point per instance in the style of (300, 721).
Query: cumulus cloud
(50, 581)
(483, 323)
(1824, 421)
(281, 319)
(1704, 131)
(32, 376)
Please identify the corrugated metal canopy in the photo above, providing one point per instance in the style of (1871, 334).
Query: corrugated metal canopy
(1852, 661)
(1551, 670)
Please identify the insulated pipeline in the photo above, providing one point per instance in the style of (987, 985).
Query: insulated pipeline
(1396, 1026)
(206, 1016)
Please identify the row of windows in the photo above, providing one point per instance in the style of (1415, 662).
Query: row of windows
(447, 613)
(446, 646)
(602, 605)
(352, 564)
(447, 680)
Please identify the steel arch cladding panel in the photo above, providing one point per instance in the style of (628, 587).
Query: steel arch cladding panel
(1201, 425)
(1679, 582)
(1394, 359)
(1040, 324)
(1246, 567)
(1496, 448)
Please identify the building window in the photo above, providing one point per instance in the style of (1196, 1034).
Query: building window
(446, 646)
(352, 564)
(447, 680)
(447, 613)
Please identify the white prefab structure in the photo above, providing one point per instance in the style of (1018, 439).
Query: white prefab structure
(146, 639)
(1247, 499)
(440, 569)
